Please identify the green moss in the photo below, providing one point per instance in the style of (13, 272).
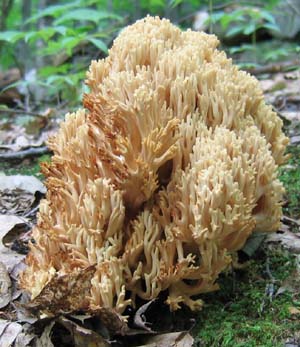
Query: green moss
(27, 167)
(290, 177)
(242, 313)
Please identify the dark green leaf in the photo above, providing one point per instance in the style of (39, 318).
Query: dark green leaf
(268, 16)
(271, 26)
(216, 16)
(11, 36)
(86, 14)
(50, 70)
(249, 29)
(99, 44)
(53, 11)
(174, 3)
(234, 31)
(68, 43)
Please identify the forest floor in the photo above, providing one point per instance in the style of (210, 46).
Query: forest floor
(258, 304)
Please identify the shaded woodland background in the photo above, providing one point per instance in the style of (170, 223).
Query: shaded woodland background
(46, 46)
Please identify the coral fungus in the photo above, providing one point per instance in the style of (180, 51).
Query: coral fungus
(167, 170)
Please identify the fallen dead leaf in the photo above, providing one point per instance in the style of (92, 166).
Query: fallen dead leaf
(10, 333)
(23, 315)
(290, 221)
(139, 317)
(27, 183)
(82, 336)
(266, 85)
(290, 284)
(24, 338)
(112, 320)
(294, 311)
(3, 324)
(287, 239)
(5, 286)
(8, 135)
(45, 339)
(291, 115)
(9, 257)
(295, 140)
(64, 293)
(18, 193)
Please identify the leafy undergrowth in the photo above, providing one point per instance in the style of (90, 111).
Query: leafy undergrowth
(290, 176)
(247, 311)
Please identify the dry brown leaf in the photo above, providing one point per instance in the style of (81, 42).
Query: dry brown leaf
(139, 320)
(65, 293)
(3, 324)
(17, 193)
(291, 115)
(266, 85)
(287, 239)
(5, 286)
(8, 135)
(23, 315)
(83, 336)
(15, 201)
(290, 284)
(25, 337)
(45, 339)
(9, 257)
(27, 183)
(177, 339)
(112, 320)
(295, 140)
(10, 333)
(294, 311)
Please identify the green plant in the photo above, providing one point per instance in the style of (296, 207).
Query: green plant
(62, 46)
(245, 21)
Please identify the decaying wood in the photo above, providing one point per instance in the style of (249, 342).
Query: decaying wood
(13, 111)
(273, 68)
(27, 153)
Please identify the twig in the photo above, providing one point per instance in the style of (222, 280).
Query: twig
(30, 152)
(270, 286)
(273, 68)
(31, 212)
(289, 221)
(9, 110)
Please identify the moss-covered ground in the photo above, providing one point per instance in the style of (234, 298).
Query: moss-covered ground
(290, 176)
(246, 312)
(30, 167)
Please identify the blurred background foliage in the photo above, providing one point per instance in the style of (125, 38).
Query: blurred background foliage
(47, 45)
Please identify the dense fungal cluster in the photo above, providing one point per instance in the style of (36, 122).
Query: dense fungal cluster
(167, 170)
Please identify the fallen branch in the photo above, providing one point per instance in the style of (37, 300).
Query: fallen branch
(26, 153)
(273, 68)
(12, 111)
(290, 221)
